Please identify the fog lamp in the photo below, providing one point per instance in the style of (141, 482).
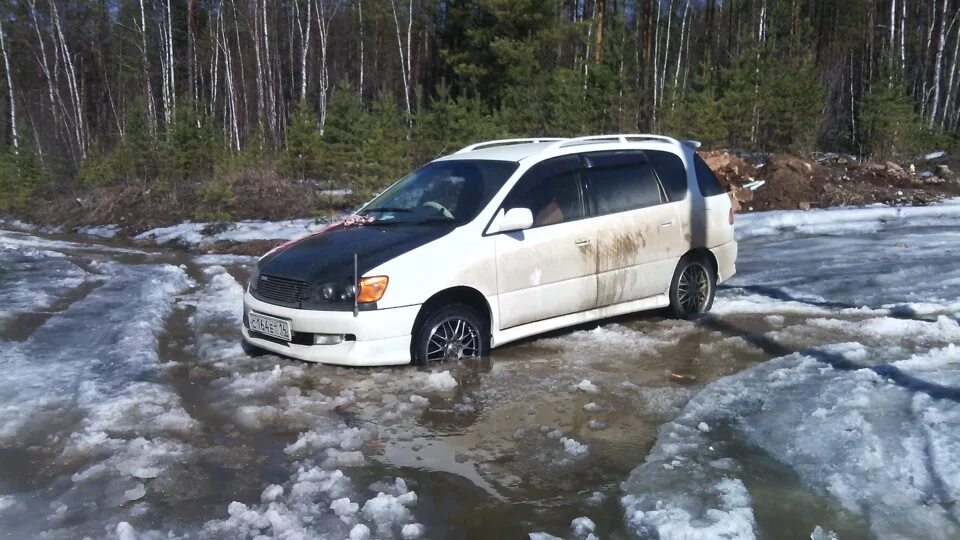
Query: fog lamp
(327, 339)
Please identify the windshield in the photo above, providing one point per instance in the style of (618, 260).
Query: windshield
(451, 191)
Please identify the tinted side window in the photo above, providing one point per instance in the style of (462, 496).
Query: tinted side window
(709, 186)
(623, 187)
(672, 173)
(551, 190)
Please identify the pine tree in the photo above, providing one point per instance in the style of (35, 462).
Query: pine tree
(344, 132)
(890, 126)
(136, 157)
(301, 155)
(385, 156)
(21, 177)
(190, 150)
(790, 104)
(698, 115)
(739, 99)
(446, 124)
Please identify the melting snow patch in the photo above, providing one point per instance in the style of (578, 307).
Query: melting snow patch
(99, 231)
(588, 387)
(574, 448)
(412, 530)
(582, 526)
(386, 510)
(194, 234)
(850, 418)
(839, 220)
(441, 382)
(125, 531)
(360, 532)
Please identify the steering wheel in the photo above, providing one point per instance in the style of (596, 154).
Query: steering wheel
(439, 208)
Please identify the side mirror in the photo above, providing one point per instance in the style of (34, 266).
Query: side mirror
(515, 219)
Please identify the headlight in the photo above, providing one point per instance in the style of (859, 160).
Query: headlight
(254, 277)
(338, 292)
(332, 293)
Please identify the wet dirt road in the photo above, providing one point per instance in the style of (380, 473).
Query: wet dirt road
(129, 408)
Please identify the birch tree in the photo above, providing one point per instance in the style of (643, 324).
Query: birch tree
(938, 63)
(325, 15)
(404, 50)
(14, 139)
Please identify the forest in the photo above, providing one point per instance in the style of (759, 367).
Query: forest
(195, 101)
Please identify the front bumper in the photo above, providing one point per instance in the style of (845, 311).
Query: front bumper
(382, 335)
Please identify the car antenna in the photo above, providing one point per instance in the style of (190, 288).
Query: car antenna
(356, 286)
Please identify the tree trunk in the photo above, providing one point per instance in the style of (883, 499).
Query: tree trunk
(600, 9)
(145, 71)
(938, 64)
(75, 97)
(13, 102)
(360, 14)
(404, 65)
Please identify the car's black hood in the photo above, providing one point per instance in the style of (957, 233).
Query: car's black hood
(328, 255)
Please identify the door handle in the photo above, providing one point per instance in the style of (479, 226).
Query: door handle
(583, 242)
(667, 224)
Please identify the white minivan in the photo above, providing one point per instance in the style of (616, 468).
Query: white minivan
(499, 241)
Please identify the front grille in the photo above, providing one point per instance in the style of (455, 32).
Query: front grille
(281, 290)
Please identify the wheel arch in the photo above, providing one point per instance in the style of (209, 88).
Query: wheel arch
(454, 295)
(704, 254)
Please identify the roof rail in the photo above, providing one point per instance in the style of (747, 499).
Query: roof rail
(503, 142)
(601, 139)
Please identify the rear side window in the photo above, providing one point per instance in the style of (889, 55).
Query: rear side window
(619, 188)
(709, 185)
(551, 190)
(672, 173)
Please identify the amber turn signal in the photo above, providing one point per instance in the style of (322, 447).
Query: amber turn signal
(372, 288)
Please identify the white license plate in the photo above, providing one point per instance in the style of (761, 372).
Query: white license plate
(270, 326)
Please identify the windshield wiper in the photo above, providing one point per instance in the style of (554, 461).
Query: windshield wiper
(387, 209)
(438, 219)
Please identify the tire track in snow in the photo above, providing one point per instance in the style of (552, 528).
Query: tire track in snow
(80, 397)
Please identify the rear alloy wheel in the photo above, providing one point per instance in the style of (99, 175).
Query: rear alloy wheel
(692, 288)
(450, 334)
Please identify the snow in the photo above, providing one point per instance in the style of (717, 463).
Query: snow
(125, 531)
(412, 530)
(36, 279)
(99, 231)
(97, 402)
(934, 155)
(845, 220)
(588, 387)
(360, 532)
(574, 448)
(582, 526)
(386, 510)
(440, 382)
(344, 508)
(192, 234)
(863, 374)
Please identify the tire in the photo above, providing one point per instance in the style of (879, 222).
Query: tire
(696, 272)
(251, 349)
(451, 333)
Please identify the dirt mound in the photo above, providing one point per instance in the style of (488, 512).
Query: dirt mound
(793, 182)
(731, 170)
(790, 180)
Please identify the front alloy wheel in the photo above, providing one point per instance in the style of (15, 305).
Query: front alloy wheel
(451, 334)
